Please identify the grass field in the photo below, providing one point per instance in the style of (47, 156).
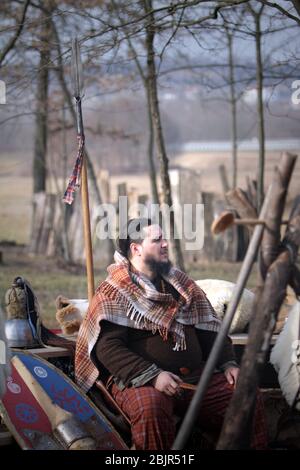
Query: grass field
(15, 212)
(49, 280)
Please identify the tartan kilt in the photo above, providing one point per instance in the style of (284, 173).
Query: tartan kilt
(154, 415)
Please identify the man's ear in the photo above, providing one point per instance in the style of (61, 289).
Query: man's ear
(135, 249)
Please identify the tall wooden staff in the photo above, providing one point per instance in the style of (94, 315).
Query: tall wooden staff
(80, 168)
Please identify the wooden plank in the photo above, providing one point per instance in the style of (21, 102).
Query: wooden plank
(242, 338)
(224, 178)
(54, 351)
(49, 208)
(37, 220)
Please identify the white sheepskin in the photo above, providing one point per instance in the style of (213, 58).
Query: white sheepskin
(81, 304)
(219, 293)
(284, 356)
(4, 357)
(70, 313)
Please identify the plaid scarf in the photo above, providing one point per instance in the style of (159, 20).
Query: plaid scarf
(129, 298)
(74, 180)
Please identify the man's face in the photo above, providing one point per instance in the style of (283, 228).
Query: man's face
(154, 245)
(153, 251)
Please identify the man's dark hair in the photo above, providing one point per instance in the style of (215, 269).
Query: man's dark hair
(132, 232)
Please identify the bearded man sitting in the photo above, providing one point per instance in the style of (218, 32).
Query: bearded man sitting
(150, 327)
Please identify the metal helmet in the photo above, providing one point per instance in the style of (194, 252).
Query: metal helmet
(19, 334)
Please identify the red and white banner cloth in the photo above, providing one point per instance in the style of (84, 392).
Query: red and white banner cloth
(74, 180)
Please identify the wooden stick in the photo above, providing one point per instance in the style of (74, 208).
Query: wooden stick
(78, 92)
(193, 410)
(226, 219)
(54, 412)
(186, 386)
(87, 232)
(255, 222)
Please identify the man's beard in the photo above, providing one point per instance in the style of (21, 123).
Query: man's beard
(158, 267)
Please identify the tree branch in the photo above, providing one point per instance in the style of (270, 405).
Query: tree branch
(167, 11)
(13, 40)
(282, 10)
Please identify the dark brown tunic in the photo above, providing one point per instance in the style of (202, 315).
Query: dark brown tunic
(126, 353)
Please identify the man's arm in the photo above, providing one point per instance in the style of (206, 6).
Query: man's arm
(126, 366)
(113, 352)
(227, 360)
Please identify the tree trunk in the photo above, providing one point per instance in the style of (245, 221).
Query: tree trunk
(65, 210)
(233, 110)
(152, 170)
(160, 144)
(41, 120)
(260, 110)
(272, 232)
(154, 190)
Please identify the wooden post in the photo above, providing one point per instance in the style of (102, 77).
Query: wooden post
(121, 191)
(224, 179)
(240, 202)
(39, 202)
(266, 307)
(251, 191)
(271, 237)
(47, 227)
(87, 232)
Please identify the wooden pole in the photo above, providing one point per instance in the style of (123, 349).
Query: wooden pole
(87, 232)
(78, 92)
(224, 178)
(193, 410)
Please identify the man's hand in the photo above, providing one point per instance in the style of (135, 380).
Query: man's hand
(231, 374)
(167, 383)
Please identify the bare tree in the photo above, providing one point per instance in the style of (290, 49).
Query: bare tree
(41, 121)
(257, 14)
(233, 103)
(156, 119)
(150, 146)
